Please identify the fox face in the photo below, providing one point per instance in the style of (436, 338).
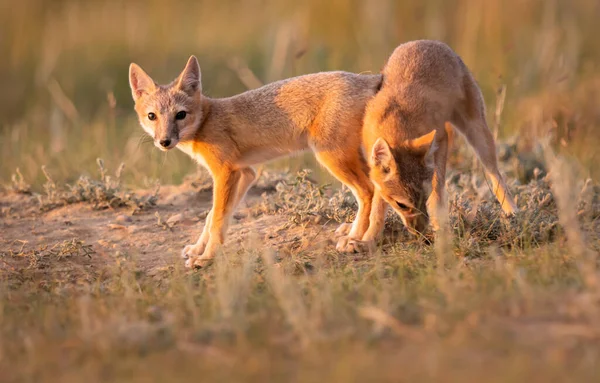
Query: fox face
(168, 113)
(403, 176)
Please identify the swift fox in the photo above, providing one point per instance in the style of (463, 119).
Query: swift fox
(427, 89)
(322, 112)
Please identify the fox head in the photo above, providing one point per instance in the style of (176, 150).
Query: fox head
(403, 177)
(168, 113)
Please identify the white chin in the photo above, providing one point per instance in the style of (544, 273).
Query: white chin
(163, 149)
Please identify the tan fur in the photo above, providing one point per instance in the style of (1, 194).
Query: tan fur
(426, 90)
(323, 112)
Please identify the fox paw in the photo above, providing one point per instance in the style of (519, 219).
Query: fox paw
(343, 230)
(349, 245)
(198, 262)
(192, 251)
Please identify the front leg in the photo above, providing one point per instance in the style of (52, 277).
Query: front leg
(198, 248)
(376, 223)
(248, 175)
(230, 186)
(377, 218)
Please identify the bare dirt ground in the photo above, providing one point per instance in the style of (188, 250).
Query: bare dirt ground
(156, 235)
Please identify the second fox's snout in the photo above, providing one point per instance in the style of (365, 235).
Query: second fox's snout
(417, 224)
(165, 143)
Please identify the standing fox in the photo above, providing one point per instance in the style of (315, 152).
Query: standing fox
(426, 90)
(323, 112)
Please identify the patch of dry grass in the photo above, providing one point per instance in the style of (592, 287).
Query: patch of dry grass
(45, 255)
(303, 200)
(475, 217)
(256, 318)
(103, 193)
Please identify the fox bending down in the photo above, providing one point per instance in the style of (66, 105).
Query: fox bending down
(322, 111)
(427, 89)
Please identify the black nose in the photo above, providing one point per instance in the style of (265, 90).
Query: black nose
(165, 143)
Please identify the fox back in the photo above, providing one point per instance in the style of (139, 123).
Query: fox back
(254, 126)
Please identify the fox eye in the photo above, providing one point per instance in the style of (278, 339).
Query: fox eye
(402, 206)
(151, 116)
(180, 115)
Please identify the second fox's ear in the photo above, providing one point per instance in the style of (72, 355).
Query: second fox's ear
(139, 81)
(423, 144)
(190, 80)
(427, 145)
(381, 155)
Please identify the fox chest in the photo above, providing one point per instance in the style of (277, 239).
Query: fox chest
(196, 155)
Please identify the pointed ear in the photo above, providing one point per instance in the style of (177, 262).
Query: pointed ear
(428, 144)
(139, 81)
(381, 155)
(422, 145)
(190, 80)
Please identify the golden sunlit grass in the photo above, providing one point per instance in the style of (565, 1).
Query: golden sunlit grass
(65, 99)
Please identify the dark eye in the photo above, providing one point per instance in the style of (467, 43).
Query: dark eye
(402, 206)
(180, 115)
(151, 116)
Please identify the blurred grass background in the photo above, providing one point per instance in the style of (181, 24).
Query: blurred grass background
(65, 99)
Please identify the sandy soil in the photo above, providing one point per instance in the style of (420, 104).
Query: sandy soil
(155, 236)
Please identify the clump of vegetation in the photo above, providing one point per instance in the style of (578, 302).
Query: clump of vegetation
(18, 184)
(475, 216)
(103, 193)
(44, 254)
(303, 200)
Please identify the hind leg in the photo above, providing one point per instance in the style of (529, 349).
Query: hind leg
(480, 138)
(351, 169)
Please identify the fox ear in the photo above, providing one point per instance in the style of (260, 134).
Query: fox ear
(381, 155)
(427, 145)
(139, 81)
(423, 144)
(189, 80)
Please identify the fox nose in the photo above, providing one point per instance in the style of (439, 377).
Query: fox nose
(165, 143)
